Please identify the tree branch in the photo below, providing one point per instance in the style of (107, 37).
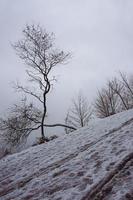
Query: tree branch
(27, 91)
(62, 125)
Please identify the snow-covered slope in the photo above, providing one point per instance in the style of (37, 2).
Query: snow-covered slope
(95, 162)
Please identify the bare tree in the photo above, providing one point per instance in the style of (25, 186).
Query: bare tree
(128, 89)
(127, 82)
(79, 114)
(115, 97)
(118, 89)
(37, 50)
(106, 102)
(102, 105)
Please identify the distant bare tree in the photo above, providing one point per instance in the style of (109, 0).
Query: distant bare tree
(106, 102)
(37, 50)
(79, 114)
(118, 89)
(127, 82)
(115, 97)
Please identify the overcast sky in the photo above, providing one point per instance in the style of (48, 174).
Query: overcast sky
(99, 33)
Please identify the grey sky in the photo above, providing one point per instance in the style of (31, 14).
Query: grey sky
(99, 33)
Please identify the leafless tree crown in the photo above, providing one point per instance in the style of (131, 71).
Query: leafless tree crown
(115, 97)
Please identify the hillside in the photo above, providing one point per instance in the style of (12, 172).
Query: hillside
(93, 163)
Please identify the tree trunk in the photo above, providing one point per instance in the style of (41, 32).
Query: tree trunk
(43, 117)
(42, 130)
